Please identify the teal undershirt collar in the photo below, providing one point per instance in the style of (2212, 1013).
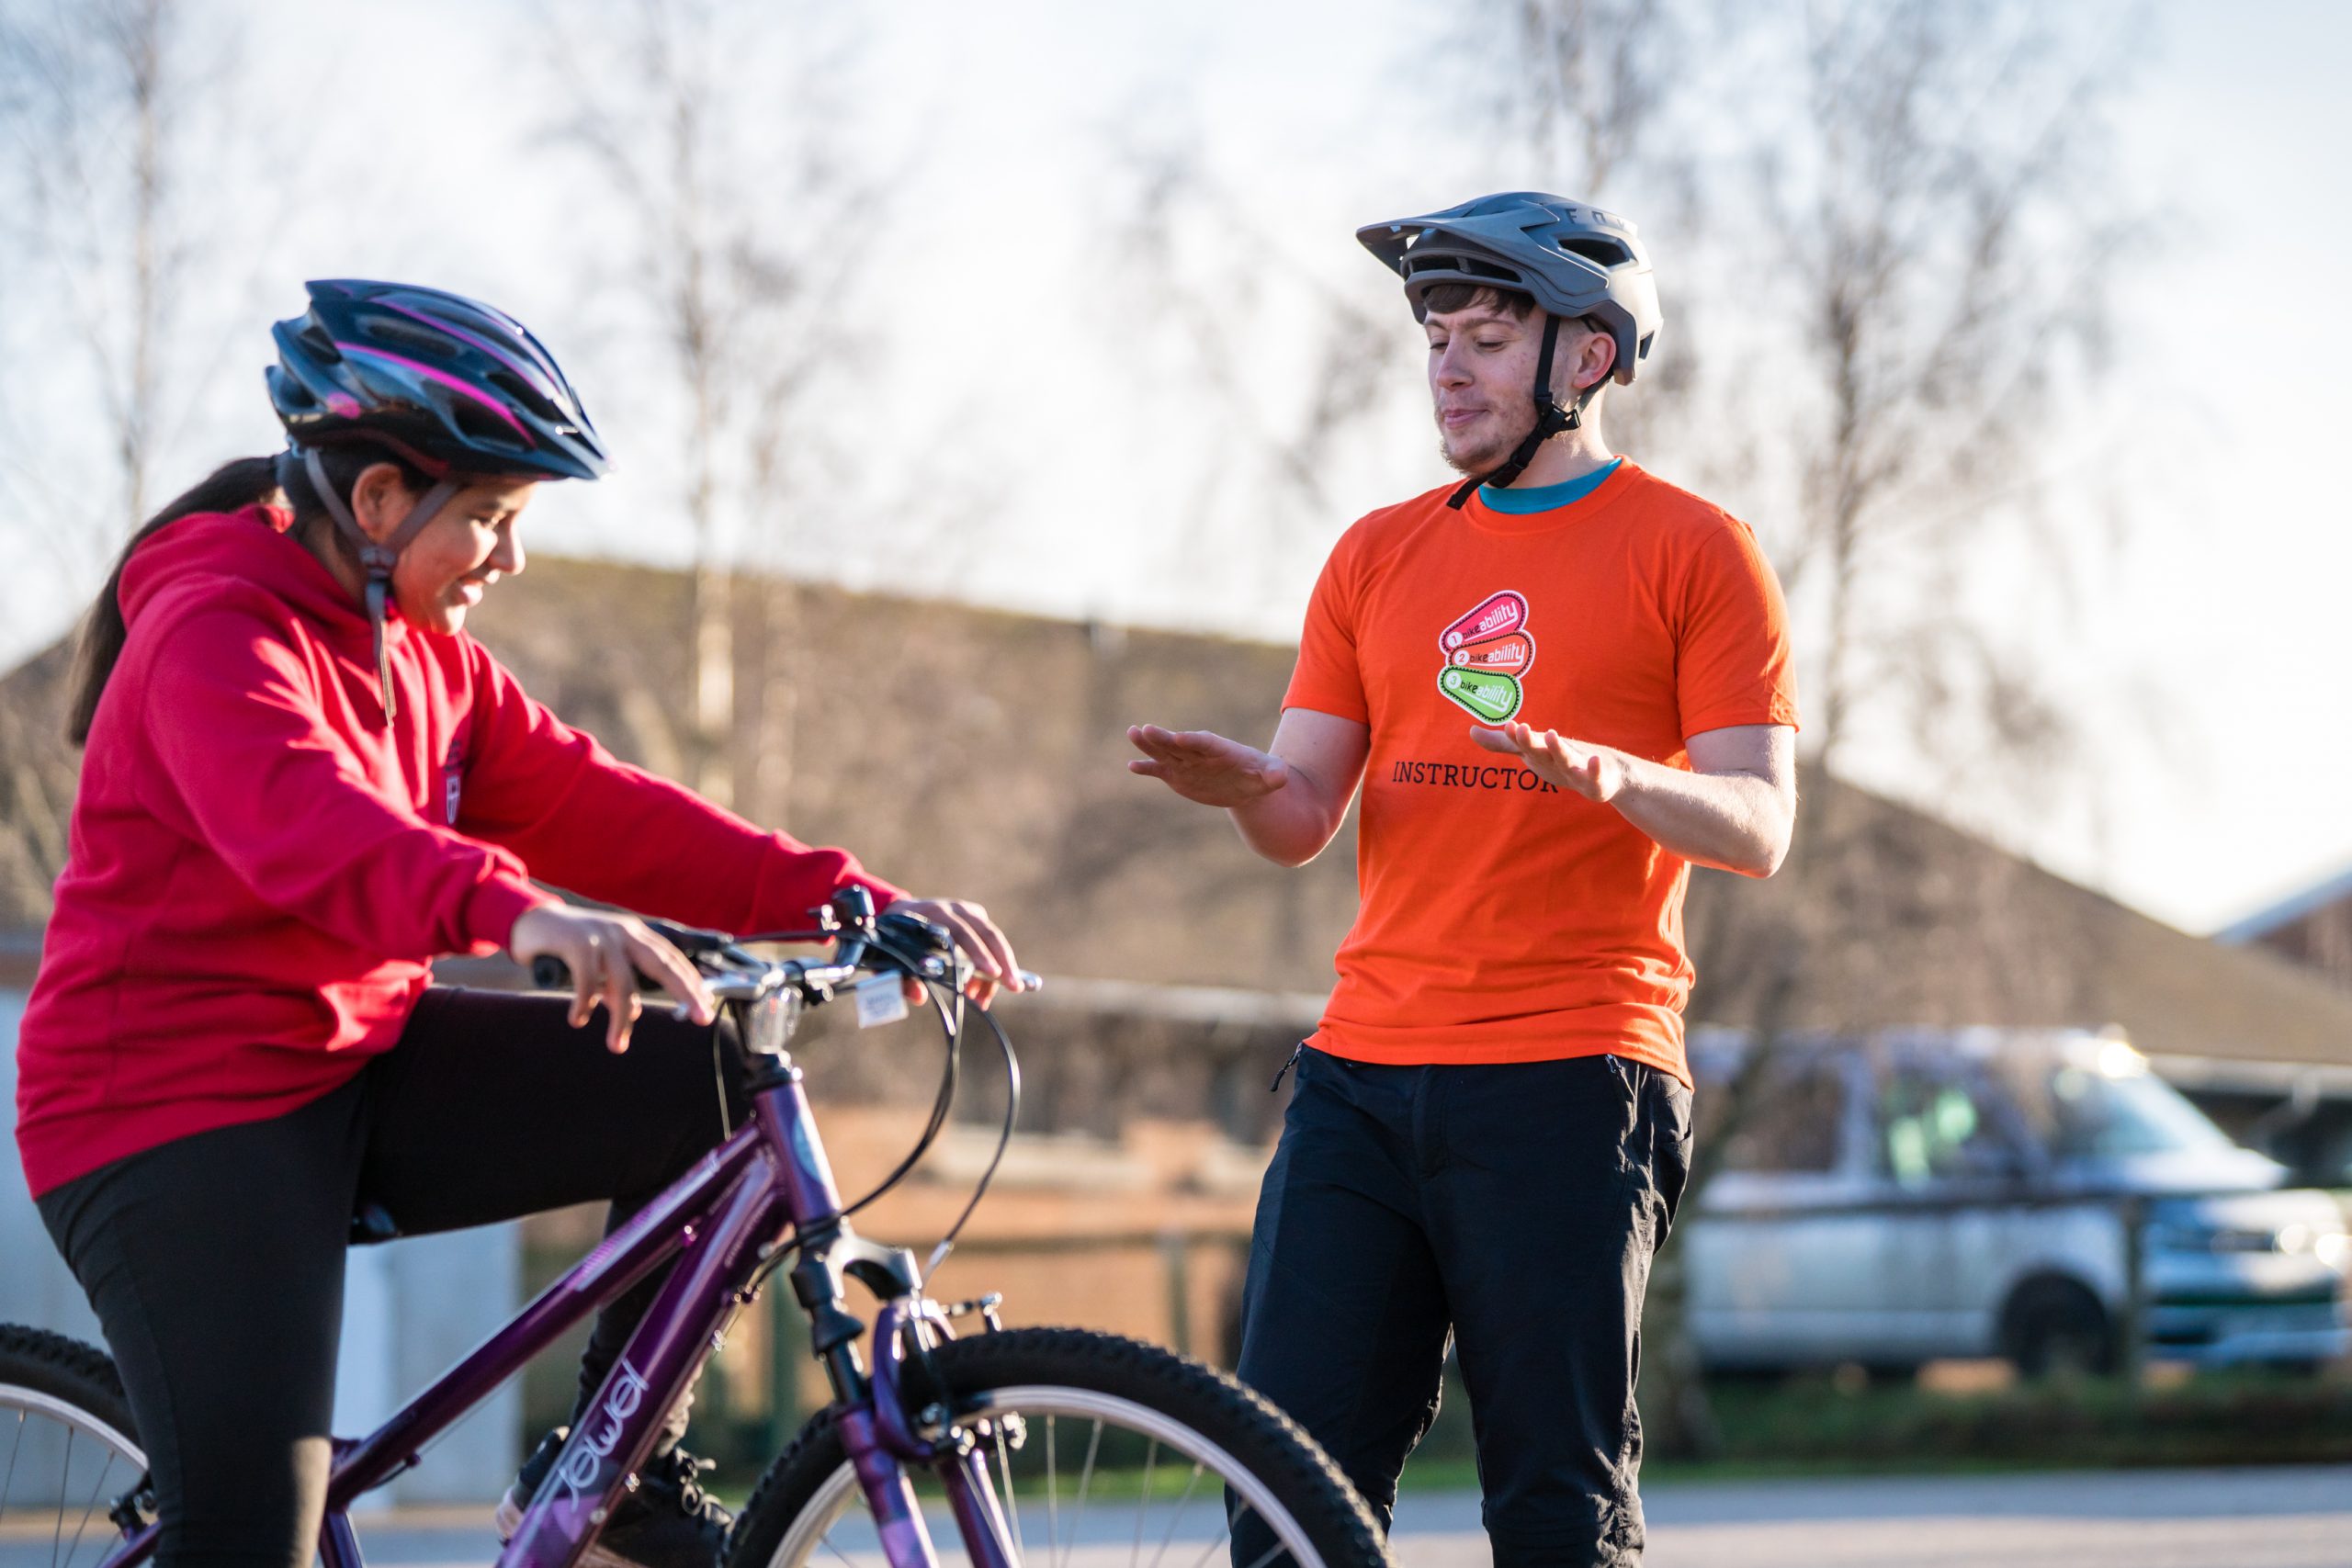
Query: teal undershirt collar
(1518, 502)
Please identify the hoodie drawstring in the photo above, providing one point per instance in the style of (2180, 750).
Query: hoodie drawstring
(377, 559)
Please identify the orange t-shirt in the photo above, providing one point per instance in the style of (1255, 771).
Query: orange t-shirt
(1504, 919)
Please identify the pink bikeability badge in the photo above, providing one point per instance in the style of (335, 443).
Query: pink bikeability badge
(1487, 652)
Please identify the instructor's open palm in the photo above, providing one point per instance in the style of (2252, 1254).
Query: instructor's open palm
(1595, 773)
(1206, 767)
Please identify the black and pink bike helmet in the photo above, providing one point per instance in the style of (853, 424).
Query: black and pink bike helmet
(459, 388)
(453, 385)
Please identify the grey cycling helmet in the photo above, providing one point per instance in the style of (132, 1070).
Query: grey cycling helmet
(1574, 260)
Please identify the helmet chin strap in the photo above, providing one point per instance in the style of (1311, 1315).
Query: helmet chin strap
(377, 559)
(1551, 420)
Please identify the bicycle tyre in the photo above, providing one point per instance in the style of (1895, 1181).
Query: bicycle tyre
(76, 1387)
(1095, 1369)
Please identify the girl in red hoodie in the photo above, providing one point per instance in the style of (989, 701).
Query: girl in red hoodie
(303, 782)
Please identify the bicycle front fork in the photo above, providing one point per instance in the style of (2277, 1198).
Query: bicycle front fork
(882, 1443)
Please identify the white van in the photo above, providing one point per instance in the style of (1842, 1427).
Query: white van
(1919, 1195)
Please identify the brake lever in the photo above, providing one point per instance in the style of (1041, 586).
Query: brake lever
(945, 959)
(694, 942)
(927, 936)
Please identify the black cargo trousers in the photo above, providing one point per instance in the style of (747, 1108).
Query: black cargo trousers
(1514, 1207)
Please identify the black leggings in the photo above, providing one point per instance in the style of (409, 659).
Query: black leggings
(215, 1262)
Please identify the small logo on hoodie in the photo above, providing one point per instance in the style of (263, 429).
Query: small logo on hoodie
(453, 772)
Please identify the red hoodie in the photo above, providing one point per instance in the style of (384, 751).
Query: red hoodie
(259, 868)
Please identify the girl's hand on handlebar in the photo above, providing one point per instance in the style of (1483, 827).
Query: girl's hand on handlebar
(977, 936)
(605, 953)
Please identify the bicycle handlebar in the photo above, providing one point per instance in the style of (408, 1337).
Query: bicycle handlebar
(864, 942)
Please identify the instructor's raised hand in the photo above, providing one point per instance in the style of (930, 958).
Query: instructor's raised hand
(1596, 772)
(1203, 766)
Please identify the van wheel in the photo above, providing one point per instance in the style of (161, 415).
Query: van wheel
(2056, 1327)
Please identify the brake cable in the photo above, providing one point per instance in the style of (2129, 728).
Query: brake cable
(946, 995)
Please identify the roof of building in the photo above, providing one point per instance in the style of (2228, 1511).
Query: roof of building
(2335, 889)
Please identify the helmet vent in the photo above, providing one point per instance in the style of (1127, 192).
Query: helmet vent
(1608, 252)
(530, 396)
(398, 334)
(481, 427)
(1457, 265)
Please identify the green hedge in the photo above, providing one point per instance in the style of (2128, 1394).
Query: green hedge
(1823, 1425)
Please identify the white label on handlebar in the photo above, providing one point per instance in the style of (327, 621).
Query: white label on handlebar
(882, 1000)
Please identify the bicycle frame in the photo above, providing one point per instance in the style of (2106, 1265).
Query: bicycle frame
(723, 1221)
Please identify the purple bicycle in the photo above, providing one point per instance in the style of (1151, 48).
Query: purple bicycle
(1051, 1445)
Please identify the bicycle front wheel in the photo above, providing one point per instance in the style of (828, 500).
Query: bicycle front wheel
(70, 1459)
(1101, 1450)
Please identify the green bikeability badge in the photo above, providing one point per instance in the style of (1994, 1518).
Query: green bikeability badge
(1485, 652)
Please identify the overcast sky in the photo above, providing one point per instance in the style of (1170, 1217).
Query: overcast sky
(2209, 647)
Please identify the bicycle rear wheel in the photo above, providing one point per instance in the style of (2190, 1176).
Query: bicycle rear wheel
(1101, 1450)
(69, 1452)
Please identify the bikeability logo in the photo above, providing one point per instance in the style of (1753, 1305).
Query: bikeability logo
(1486, 653)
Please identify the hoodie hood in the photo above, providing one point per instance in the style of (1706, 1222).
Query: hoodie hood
(208, 555)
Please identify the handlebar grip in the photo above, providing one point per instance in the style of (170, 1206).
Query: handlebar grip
(550, 973)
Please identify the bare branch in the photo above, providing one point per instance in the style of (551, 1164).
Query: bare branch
(710, 129)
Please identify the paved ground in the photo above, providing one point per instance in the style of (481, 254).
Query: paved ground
(2208, 1518)
(2243, 1518)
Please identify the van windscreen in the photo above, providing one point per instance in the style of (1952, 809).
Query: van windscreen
(2077, 1109)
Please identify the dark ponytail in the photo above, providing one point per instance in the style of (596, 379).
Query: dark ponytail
(232, 487)
(229, 487)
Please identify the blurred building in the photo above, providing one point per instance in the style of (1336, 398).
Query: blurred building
(978, 753)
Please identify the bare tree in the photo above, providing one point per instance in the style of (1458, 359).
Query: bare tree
(1589, 83)
(1941, 231)
(1209, 299)
(1947, 241)
(99, 110)
(728, 166)
(1600, 92)
(1934, 241)
(1216, 299)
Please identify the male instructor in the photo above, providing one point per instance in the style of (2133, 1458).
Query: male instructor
(1561, 682)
